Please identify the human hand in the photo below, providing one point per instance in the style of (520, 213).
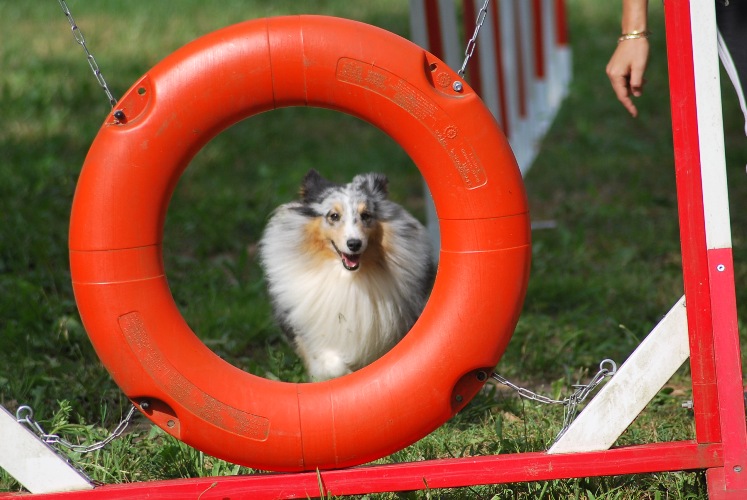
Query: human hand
(625, 70)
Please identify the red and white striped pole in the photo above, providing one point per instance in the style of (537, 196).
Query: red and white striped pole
(706, 240)
(521, 68)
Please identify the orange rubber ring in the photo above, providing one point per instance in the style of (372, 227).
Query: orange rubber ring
(120, 205)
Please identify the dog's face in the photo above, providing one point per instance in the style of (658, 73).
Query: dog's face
(345, 218)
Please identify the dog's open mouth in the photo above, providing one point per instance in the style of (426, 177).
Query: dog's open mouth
(350, 261)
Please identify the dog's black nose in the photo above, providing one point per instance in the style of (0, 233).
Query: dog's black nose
(354, 244)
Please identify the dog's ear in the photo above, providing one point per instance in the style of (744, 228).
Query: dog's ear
(376, 184)
(313, 186)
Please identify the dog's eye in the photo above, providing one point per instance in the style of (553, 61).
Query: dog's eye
(366, 216)
(333, 217)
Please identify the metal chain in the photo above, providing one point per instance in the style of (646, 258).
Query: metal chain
(572, 402)
(78, 35)
(25, 415)
(472, 43)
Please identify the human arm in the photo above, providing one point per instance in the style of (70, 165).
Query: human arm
(627, 65)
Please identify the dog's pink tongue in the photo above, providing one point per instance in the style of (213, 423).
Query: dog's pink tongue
(351, 260)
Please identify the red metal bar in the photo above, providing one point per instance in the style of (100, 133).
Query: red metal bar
(447, 473)
(717, 489)
(728, 369)
(692, 220)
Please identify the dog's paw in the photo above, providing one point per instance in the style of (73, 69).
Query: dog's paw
(327, 365)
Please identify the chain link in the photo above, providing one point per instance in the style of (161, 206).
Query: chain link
(472, 43)
(572, 402)
(25, 415)
(78, 35)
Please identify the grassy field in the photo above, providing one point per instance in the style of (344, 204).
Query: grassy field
(600, 280)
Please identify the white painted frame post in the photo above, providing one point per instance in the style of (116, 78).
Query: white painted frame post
(634, 385)
(33, 463)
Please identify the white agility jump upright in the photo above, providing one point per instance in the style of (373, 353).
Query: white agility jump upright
(704, 323)
(521, 67)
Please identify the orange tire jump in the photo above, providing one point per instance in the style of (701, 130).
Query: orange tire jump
(116, 235)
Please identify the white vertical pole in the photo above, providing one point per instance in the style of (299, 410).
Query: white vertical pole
(530, 129)
(419, 35)
(511, 70)
(488, 65)
(710, 124)
(540, 83)
(418, 26)
(452, 44)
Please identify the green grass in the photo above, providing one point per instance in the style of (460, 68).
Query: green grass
(600, 281)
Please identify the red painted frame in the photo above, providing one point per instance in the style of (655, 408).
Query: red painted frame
(715, 358)
(447, 473)
(721, 436)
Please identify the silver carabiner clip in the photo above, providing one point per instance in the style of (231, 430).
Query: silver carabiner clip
(610, 362)
(29, 414)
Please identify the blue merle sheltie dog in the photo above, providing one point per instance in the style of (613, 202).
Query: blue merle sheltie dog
(348, 272)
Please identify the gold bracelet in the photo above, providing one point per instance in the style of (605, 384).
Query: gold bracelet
(633, 35)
